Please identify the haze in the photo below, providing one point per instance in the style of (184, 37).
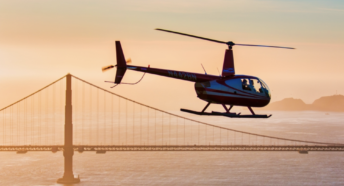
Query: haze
(41, 41)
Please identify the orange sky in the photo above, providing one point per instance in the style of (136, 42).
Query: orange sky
(41, 41)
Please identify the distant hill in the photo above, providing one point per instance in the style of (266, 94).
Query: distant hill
(333, 103)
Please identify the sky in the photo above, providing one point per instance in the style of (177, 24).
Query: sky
(41, 41)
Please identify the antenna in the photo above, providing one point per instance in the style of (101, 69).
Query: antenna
(218, 71)
(205, 72)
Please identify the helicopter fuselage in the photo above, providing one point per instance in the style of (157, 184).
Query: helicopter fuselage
(232, 91)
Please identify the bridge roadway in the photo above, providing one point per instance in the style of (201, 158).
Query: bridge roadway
(104, 148)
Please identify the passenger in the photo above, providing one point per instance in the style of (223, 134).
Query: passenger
(252, 86)
(261, 90)
(260, 87)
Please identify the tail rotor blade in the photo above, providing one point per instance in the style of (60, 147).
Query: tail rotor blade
(128, 61)
(107, 68)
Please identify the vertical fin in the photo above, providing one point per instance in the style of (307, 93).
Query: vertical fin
(121, 63)
(228, 64)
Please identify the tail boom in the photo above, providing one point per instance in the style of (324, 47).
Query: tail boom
(187, 76)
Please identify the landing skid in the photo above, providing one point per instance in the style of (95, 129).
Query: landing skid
(226, 114)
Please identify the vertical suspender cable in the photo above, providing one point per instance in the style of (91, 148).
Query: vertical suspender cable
(25, 120)
(133, 122)
(16, 122)
(40, 118)
(119, 119)
(91, 111)
(3, 127)
(220, 137)
(104, 136)
(7, 125)
(83, 113)
(199, 125)
(11, 126)
(154, 126)
(111, 119)
(140, 124)
(18, 104)
(177, 130)
(12, 116)
(61, 110)
(47, 118)
(191, 133)
(227, 136)
(22, 112)
(97, 117)
(54, 142)
(169, 129)
(16, 117)
(31, 120)
(242, 139)
(213, 135)
(126, 122)
(184, 131)
(26, 124)
(147, 126)
(75, 109)
(162, 128)
(206, 133)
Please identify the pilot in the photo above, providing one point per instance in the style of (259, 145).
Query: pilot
(245, 85)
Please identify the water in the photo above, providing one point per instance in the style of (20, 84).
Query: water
(199, 168)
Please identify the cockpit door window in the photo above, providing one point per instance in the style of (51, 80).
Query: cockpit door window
(252, 84)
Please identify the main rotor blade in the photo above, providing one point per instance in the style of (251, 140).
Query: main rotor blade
(198, 37)
(264, 46)
(229, 43)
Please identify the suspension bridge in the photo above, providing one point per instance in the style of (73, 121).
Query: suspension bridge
(80, 116)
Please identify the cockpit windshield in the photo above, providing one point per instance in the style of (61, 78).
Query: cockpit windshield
(265, 86)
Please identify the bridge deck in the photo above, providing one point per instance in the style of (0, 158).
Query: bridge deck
(82, 148)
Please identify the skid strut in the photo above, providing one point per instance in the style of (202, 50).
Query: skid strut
(205, 108)
(251, 110)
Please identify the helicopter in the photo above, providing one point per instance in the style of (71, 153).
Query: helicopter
(228, 89)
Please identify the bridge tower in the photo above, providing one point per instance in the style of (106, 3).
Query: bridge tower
(68, 176)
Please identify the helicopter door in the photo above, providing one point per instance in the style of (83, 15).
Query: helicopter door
(235, 83)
